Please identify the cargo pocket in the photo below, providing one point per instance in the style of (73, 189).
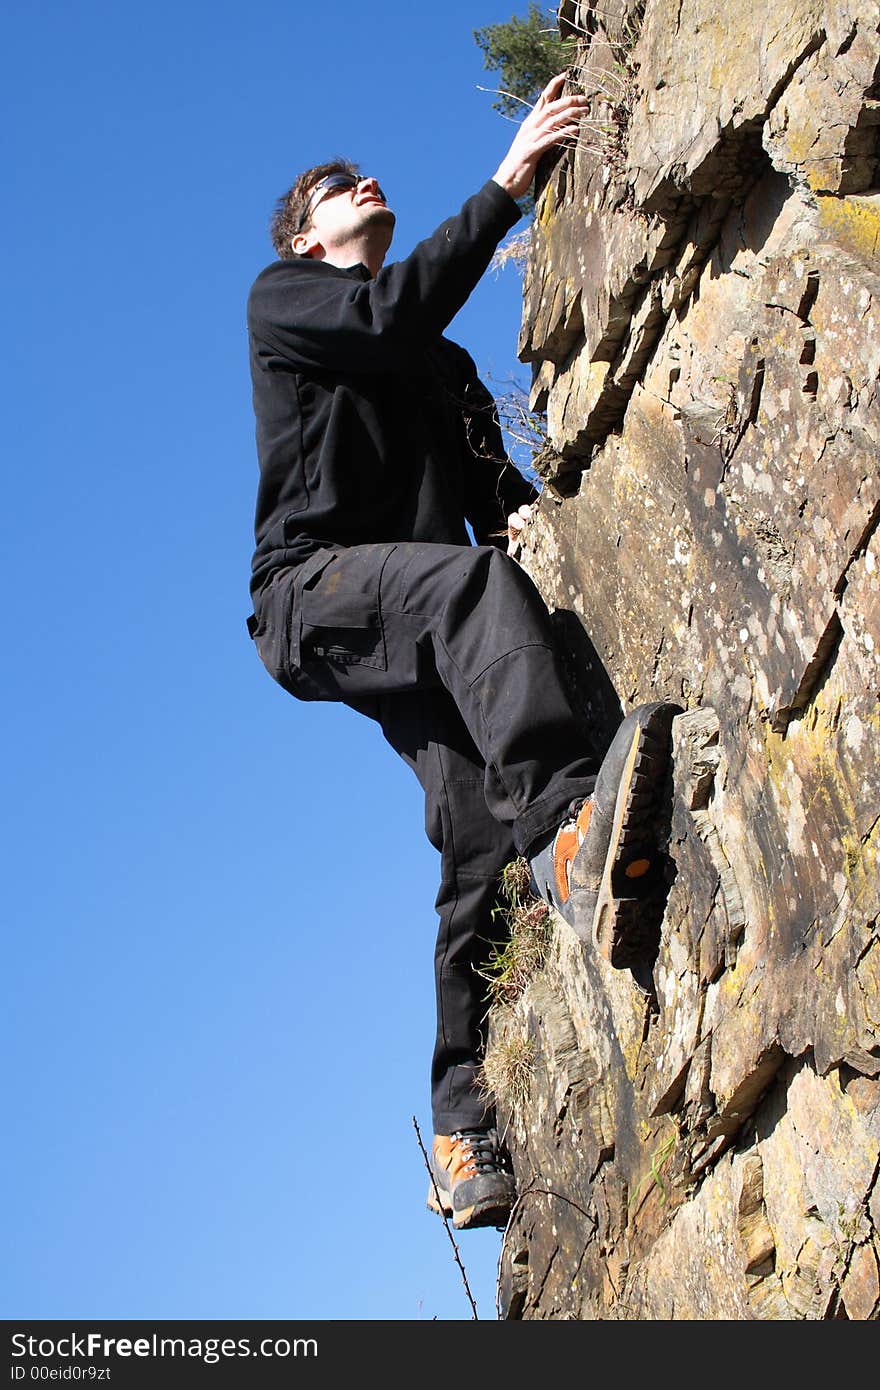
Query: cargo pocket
(341, 618)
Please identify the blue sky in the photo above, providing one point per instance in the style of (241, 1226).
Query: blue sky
(205, 880)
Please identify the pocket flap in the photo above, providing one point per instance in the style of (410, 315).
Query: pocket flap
(339, 609)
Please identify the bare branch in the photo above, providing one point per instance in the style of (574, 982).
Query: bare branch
(467, 1289)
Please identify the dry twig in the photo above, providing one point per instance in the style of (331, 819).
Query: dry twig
(467, 1288)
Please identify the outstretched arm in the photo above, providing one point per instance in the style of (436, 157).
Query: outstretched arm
(373, 325)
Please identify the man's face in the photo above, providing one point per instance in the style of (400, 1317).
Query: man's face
(337, 214)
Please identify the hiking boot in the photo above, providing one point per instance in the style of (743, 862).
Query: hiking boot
(604, 868)
(473, 1179)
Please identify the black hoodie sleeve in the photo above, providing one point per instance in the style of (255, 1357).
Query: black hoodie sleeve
(320, 320)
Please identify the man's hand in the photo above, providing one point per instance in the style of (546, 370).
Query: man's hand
(516, 524)
(552, 119)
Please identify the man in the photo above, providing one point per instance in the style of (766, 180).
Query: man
(377, 444)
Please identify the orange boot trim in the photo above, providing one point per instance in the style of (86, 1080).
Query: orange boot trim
(565, 847)
(637, 868)
(455, 1156)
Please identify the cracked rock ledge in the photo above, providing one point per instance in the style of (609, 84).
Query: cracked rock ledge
(700, 1138)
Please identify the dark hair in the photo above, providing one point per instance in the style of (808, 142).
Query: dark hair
(291, 205)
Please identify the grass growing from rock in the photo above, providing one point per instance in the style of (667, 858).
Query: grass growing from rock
(506, 1074)
(510, 967)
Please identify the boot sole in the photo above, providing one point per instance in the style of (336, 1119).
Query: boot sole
(625, 913)
(480, 1214)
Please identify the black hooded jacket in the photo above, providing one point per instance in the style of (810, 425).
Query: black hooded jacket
(371, 426)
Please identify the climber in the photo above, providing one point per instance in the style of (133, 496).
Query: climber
(377, 443)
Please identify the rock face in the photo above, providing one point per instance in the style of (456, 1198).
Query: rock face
(702, 309)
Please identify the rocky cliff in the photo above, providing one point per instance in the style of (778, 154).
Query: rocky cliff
(699, 1138)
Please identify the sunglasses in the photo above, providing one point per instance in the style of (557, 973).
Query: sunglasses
(333, 183)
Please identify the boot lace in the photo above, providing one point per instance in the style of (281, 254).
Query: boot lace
(481, 1151)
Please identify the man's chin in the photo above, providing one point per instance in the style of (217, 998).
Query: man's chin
(378, 212)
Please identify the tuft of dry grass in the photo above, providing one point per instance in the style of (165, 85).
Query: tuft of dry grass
(516, 882)
(513, 251)
(510, 967)
(506, 1074)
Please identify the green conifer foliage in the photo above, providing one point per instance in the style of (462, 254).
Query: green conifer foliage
(526, 52)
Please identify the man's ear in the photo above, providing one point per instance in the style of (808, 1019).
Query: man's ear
(305, 243)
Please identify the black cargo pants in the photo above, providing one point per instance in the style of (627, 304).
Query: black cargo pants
(451, 649)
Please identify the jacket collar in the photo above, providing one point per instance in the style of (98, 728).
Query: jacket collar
(358, 272)
(354, 272)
